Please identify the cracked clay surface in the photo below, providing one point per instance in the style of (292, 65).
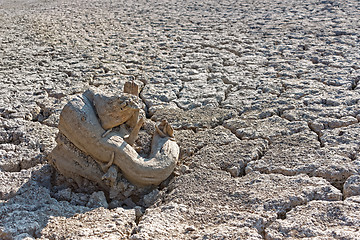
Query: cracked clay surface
(264, 98)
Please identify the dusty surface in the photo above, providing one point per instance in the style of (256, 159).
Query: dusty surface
(86, 149)
(263, 95)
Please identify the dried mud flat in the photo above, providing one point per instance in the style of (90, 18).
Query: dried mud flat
(264, 96)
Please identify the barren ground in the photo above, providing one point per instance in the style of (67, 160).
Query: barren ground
(264, 96)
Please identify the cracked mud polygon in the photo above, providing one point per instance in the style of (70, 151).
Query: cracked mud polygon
(264, 97)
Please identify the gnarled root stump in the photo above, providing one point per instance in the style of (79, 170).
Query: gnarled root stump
(79, 124)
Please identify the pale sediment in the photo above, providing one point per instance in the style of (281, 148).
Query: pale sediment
(263, 96)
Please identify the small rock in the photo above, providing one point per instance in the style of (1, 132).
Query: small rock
(129, 191)
(190, 229)
(352, 186)
(64, 194)
(79, 199)
(114, 204)
(314, 60)
(128, 203)
(234, 171)
(110, 176)
(151, 197)
(138, 212)
(24, 236)
(316, 127)
(97, 199)
(114, 192)
(184, 169)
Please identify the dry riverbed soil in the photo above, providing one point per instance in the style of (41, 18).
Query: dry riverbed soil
(264, 96)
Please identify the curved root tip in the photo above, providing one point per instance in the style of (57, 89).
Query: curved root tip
(164, 129)
(160, 132)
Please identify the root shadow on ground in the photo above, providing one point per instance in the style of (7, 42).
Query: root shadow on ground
(28, 211)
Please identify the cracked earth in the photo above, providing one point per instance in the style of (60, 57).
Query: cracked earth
(264, 97)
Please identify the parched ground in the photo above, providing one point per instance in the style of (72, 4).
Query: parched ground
(264, 96)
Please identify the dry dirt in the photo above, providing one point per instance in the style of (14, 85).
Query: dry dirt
(264, 96)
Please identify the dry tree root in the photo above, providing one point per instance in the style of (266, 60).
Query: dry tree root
(79, 123)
